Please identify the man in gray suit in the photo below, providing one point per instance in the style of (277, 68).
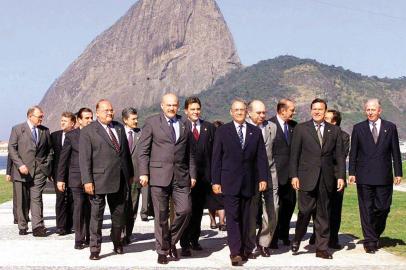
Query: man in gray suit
(268, 199)
(166, 160)
(133, 133)
(106, 171)
(30, 150)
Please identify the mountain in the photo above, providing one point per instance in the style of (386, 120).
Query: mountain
(303, 80)
(181, 46)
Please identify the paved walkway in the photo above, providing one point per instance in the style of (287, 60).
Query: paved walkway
(56, 252)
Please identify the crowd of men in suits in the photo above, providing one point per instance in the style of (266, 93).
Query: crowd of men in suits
(259, 167)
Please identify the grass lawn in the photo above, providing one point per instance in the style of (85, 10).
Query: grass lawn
(6, 189)
(394, 237)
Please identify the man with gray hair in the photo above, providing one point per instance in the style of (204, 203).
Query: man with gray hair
(31, 153)
(268, 199)
(374, 146)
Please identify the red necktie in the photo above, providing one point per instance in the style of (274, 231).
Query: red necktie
(195, 132)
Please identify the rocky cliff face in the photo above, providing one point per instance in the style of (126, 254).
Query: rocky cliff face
(181, 46)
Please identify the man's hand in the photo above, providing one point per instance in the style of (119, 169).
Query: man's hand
(340, 185)
(216, 189)
(192, 182)
(352, 179)
(295, 183)
(144, 180)
(23, 169)
(397, 180)
(61, 186)
(8, 178)
(262, 185)
(89, 188)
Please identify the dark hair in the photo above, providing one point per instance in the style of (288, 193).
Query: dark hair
(282, 104)
(191, 100)
(125, 114)
(318, 100)
(218, 123)
(69, 115)
(81, 111)
(336, 116)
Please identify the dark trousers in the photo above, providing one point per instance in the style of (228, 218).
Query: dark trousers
(165, 236)
(374, 206)
(287, 203)
(116, 203)
(317, 203)
(192, 233)
(238, 216)
(81, 215)
(26, 204)
(64, 209)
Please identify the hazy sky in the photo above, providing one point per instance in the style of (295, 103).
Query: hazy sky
(40, 38)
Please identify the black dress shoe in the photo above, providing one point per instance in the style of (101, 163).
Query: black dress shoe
(312, 239)
(94, 256)
(162, 259)
(126, 240)
(186, 252)
(295, 246)
(80, 246)
(15, 221)
(335, 245)
(39, 232)
(286, 242)
(60, 232)
(236, 260)
(173, 253)
(250, 256)
(324, 254)
(22, 232)
(370, 250)
(222, 227)
(118, 249)
(145, 219)
(274, 246)
(197, 246)
(263, 251)
(213, 226)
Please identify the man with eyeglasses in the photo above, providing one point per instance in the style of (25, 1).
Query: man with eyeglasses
(31, 153)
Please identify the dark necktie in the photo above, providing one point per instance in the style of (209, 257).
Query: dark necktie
(130, 140)
(319, 134)
(195, 132)
(286, 131)
(240, 135)
(34, 135)
(173, 133)
(113, 139)
(374, 132)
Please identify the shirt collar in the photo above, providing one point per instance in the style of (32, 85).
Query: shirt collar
(280, 120)
(30, 124)
(378, 122)
(238, 125)
(127, 129)
(105, 126)
(174, 119)
(322, 124)
(197, 123)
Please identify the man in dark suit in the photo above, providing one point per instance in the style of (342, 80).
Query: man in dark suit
(203, 135)
(281, 153)
(64, 201)
(316, 145)
(9, 167)
(130, 118)
(106, 171)
(374, 146)
(334, 117)
(166, 160)
(239, 167)
(68, 178)
(30, 149)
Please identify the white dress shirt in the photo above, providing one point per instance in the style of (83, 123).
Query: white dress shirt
(244, 129)
(378, 125)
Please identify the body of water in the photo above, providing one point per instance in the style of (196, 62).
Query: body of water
(3, 162)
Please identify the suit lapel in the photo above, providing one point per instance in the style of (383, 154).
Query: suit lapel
(326, 134)
(382, 133)
(119, 137)
(233, 134)
(313, 132)
(368, 133)
(165, 127)
(203, 131)
(248, 136)
(103, 133)
(27, 131)
(279, 131)
(181, 128)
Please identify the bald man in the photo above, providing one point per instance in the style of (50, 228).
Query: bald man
(167, 163)
(374, 146)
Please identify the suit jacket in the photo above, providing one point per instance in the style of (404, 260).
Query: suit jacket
(23, 151)
(56, 138)
(238, 170)
(99, 162)
(372, 163)
(308, 160)
(281, 150)
(346, 148)
(161, 158)
(203, 149)
(9, 166)
(133, 151)
(68, 166)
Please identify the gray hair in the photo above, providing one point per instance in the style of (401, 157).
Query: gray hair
(32, 109)
(373, 101)
(125, 114)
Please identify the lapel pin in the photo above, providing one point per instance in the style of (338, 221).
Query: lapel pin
(385, 130)
(328, 130)
(250, 133)
(205, 129)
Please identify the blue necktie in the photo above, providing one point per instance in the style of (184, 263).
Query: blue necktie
(34, 135)
(286, 131)
(173, 133)
(240, 135)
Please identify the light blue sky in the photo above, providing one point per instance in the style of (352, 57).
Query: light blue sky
(40, 38)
